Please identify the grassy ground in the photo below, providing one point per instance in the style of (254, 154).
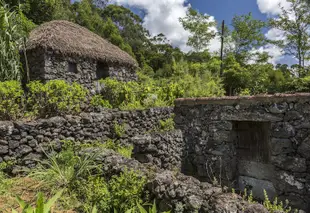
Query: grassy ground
(24, 187)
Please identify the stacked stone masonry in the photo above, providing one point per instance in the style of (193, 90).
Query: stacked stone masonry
(260, 142)
(44, 65)
(24, 142)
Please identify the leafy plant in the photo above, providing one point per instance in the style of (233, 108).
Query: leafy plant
(62, 170)
(11, 99)
(143, 209)
(119, 129)
(41, 207)
(98, 101)
(126, 190)
(276, 206)
(166, 125)
(55, 97)
(11, 39)
(94, 194)
(125, 151)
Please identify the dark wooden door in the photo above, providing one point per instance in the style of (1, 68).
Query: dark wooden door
(252, 141)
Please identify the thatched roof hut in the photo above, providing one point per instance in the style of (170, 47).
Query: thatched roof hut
(72, 40)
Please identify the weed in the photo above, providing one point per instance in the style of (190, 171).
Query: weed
(119, 129)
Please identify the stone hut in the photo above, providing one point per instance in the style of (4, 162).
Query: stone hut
(255, 142)
(64, 50)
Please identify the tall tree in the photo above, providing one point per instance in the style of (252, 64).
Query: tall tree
(201, 27)
(246, 36)
(294, 22)
(130, 27)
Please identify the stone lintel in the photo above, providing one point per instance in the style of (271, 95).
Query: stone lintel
(234, 100)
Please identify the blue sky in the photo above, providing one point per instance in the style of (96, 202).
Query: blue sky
(162, 16)
(226, 9)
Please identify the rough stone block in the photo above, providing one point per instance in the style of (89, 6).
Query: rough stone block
(256, 170)
(257, 187)
(289, 163)
(281, 146)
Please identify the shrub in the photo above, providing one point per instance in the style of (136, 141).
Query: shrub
(62, 170)
(126, 190)
(55, 97)
(119, 129)
(125, 151)
(166, 125)
(93, 192)
(148, 92)
(98, 101)
(11, 99)
(143, 209)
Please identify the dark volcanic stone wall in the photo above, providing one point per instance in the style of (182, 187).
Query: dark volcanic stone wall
(24, 141)
(163, 149)
(49, 66)
(216, 150)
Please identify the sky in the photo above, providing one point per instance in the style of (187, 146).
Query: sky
(162, 16)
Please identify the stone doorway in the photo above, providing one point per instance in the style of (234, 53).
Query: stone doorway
(252, 141)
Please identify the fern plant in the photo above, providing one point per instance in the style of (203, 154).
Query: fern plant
(276, 205)
(41, 207)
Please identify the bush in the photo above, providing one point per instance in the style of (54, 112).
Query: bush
(55, 97)
(126, 190)
(125, 151)
(147, 92)
(166, 125)
(98, 101)
(11, 99)
(119, 129)
(93, 192)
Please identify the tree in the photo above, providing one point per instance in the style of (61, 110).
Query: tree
(246, 36)
(88, 15)
(200, 26)
(295, 24)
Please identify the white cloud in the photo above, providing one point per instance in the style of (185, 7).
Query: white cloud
(162, 16)
(272, 7)
(273, 51)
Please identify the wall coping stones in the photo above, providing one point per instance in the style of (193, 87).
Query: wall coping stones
(233, 100)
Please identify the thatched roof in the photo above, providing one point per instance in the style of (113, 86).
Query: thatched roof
(71, 39)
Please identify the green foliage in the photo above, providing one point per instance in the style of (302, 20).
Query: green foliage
(11, 39)
(55, 97)
(143, 209)
(166, 125)
(41, 207)
(127, 190)
(296, 31)
(119, 129)
(276, 205)
(147, 92)
(11, 99)
(64, 169)
(98, 101)
(93, 192)
(246, 36)
(200, 26)
(125, 151)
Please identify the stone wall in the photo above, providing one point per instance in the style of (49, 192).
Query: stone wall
(24, 142)
(46, 65)
(163, 149)
(258, 143)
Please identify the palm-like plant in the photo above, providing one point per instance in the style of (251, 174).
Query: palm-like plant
(10, 43)
(62, 170)
(41, 207)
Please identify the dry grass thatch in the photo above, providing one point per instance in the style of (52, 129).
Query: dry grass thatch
(71, 39)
